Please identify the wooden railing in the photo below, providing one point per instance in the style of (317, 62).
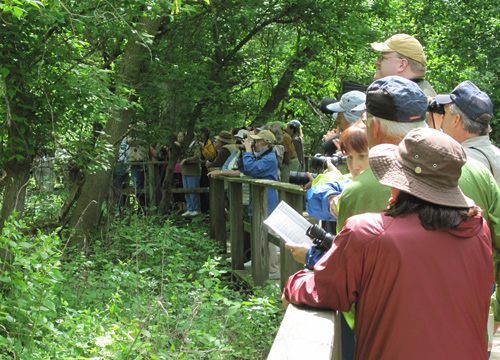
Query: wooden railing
(259, 234)
(305, 333)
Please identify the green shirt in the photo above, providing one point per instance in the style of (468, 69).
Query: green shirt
(477, 183)
(364, 194)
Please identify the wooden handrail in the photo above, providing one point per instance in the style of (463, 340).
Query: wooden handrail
(259, 234)
(307, 333)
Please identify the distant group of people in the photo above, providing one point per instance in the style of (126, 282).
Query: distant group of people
(418, 217)
(415, 255)
(267, 152)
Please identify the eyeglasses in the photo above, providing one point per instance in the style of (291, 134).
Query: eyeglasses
(382, 57)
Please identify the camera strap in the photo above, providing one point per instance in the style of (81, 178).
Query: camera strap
(486, 157)
(267, 151)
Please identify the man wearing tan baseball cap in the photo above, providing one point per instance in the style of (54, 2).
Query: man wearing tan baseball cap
(404, 56)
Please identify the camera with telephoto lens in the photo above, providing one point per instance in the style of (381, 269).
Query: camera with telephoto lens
(321, 239)
(319, 161)
(435, 108)
(300, 178)
(329, 146)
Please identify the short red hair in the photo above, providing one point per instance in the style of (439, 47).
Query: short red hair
(354, 138)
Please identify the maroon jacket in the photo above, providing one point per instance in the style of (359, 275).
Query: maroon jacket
(419, 294)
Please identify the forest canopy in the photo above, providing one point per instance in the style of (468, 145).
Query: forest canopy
(77, 77)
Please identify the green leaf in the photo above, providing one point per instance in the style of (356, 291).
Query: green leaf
(18, 12)
(49, 304)
(4, 71)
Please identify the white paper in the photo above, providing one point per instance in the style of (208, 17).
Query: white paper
(289, 224)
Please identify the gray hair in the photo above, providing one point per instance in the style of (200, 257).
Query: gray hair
(416, 66)
(398, 129)
(470, 125)
(277, 129)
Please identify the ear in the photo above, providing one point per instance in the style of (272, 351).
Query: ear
(457, 121)
(403, 66)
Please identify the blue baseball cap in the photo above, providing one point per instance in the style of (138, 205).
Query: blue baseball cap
(396, 99)
(347, 102)
(475, 103)
(295, 122)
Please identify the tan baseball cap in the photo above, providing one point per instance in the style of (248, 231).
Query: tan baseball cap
(263, 135)
(404, 44)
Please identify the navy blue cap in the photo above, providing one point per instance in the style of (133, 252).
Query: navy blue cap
(396, 99)
(475, 103)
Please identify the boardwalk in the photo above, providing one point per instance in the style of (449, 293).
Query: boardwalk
(495, 352)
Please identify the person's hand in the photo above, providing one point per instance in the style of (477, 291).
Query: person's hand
(334, 200)
(337, 143)
(248, 144)
(331, 134)
(284, 301)
(329, 166)
(308, 185)
(299, 252)
(214, 173)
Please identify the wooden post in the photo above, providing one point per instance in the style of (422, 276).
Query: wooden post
(217, 212)
(236, 225)
(258, 237)
(152, 184)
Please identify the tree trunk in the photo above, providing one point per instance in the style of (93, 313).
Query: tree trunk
(17, 170)
(281, 89)
(17, 175)
(16, 180)
(88, 209)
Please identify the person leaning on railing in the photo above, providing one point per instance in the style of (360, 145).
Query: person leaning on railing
(419, 273)
(260, 162)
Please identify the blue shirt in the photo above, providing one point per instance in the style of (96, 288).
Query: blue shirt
(263, 165)
(318, 204)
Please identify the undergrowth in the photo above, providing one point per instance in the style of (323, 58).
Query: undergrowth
(150, 290)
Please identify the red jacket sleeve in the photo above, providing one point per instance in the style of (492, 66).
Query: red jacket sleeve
(336, 280)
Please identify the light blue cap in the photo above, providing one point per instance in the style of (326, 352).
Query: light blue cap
(347, 102)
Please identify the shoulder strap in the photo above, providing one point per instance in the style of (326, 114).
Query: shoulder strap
(486, 157)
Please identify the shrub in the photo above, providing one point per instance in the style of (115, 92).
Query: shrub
(154, 290)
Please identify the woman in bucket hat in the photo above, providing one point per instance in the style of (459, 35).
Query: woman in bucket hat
(225, 145)
(420, 273)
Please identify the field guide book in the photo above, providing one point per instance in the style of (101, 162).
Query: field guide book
(289, 225)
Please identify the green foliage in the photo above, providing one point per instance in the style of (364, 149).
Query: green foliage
(145, 292)
(28, 302)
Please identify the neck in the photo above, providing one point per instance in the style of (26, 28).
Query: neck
(395, 140)
(465, 136)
